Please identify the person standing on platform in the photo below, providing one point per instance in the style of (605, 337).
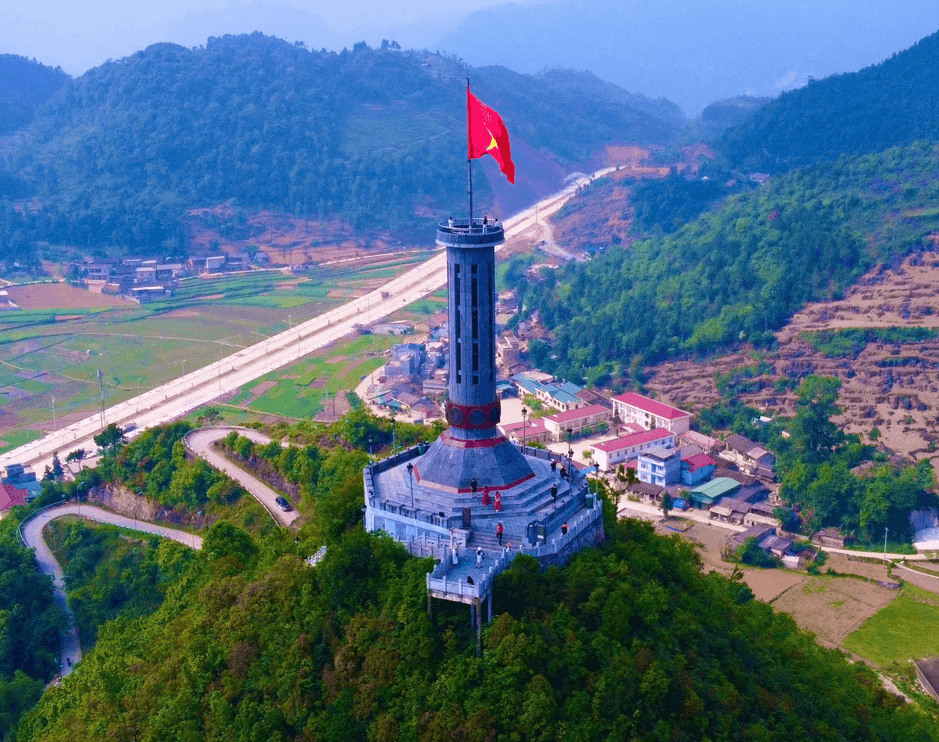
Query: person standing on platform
(487, 500)
(564, 529)
(479, 556)
(498, 503)
(499, 531)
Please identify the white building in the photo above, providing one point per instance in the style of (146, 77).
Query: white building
(632, 407)
(608, 454)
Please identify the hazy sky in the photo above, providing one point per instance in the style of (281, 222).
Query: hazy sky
(79, 34)
(691, 51)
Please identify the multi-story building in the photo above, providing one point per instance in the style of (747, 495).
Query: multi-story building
(619, 450)
(632, 407)
(576, 421)
(661, 466)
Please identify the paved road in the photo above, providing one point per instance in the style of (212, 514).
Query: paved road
(200, 442)
(70, 649)
(180, 396)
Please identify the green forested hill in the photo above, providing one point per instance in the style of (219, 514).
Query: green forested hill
(739, 271)
(628, 642)
(372, 136)
(24, 86)
(889, 104)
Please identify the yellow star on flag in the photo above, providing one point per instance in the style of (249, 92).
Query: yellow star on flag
(493, 144)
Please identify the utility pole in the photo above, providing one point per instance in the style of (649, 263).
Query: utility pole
(101, 387)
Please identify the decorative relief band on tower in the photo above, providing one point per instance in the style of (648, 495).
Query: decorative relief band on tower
(472, 417)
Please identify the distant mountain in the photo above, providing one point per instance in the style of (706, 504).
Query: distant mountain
(374, 137)
(693, 52)
(889, 104)
(24, 85)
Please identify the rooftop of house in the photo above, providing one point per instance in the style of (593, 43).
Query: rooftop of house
(578, 414)
(698, 461)
(633, 439)
(532, 425)
(661, 453)
(700, 439)
(717, 488)
(659, 409)
(11, 496)
(742, 444)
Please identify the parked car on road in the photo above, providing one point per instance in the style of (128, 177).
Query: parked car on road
(283, 504)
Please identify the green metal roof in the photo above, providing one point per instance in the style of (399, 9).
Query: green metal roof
(710, 492)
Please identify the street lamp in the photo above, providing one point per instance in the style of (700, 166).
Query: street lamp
(54, 424)
(411, 481)
(524, 424)
(570, 450)
(885, 544)
(394, 442)
(370, 445)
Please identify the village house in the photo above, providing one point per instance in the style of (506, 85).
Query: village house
(706, 443)
(647, 491)
(660, 465)
(829, 537)
(730, 510)
(609, 454)
(705, 495)
(558, 395)
(696, 469)
(508, 354)
(632, 407)
(10, 497)
(750, 456)
(763, 513)
(576, 420)
(529, 431)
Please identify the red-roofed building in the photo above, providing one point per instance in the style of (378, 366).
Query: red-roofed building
(529, 431)
(612, 453)
(576, 421)
(697, 468)
(634, 408)
(10, 496)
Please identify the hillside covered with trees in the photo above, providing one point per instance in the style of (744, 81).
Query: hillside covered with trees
(738, 271)
(889, 104)
(629, 641)
(374, 137)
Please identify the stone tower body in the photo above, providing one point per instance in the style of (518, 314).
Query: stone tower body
(473, 447)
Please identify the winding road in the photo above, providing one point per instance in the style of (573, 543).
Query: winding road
(200, 443)
(31, 532)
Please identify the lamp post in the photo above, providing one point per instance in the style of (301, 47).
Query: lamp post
(411, 481)
(570, 450)
(394, 442)
(524, 425)
(370, 446)
(885, 544)
(54, 423)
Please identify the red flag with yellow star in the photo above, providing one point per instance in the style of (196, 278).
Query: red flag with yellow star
(488, 135)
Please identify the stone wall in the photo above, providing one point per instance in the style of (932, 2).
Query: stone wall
(120, 499)
(592, 536)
